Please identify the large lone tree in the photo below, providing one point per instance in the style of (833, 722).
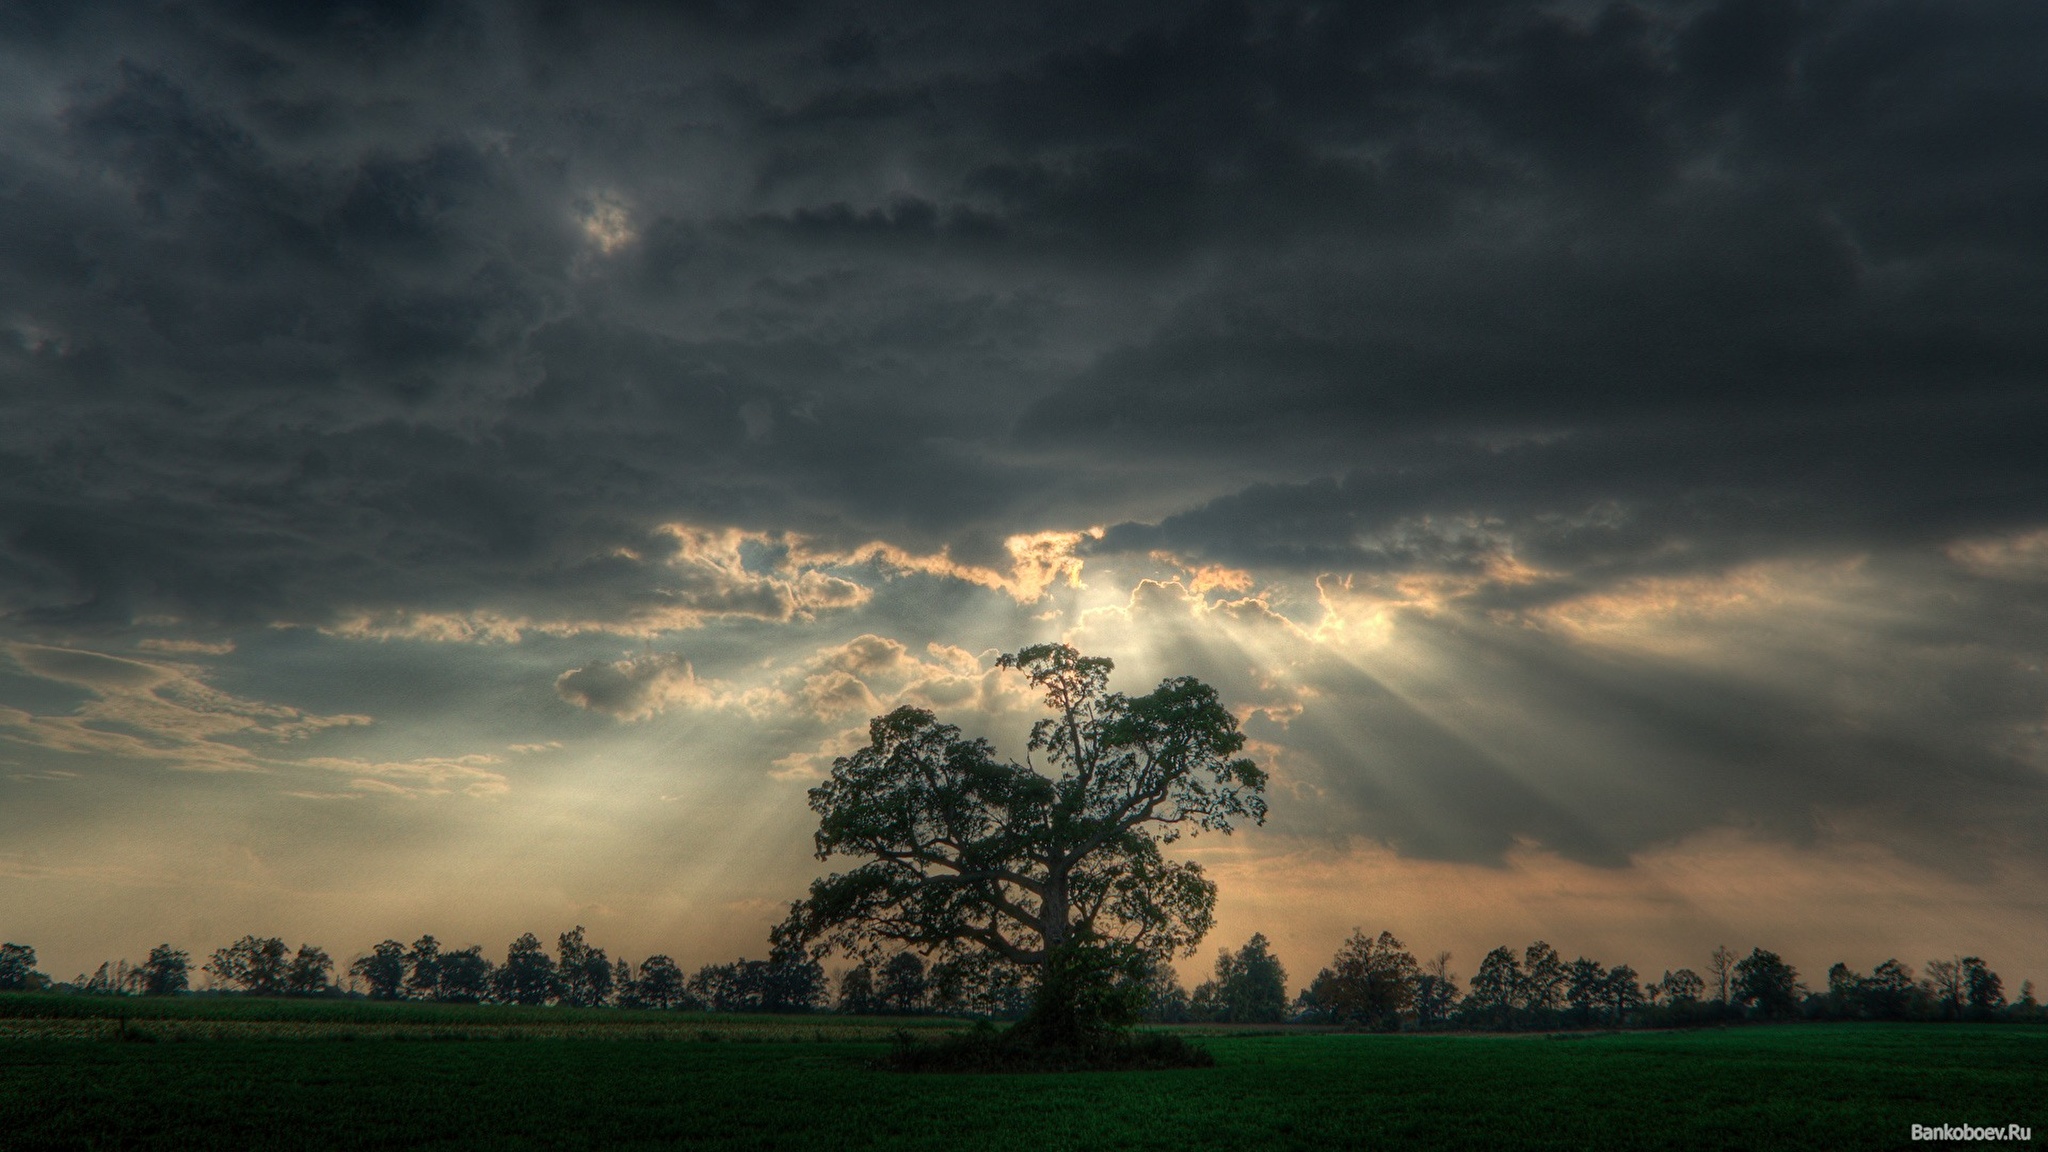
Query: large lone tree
(968, 858)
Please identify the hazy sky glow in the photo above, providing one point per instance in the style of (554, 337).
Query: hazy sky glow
(469, 468)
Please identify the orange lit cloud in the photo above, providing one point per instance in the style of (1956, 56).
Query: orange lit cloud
(1038, 562)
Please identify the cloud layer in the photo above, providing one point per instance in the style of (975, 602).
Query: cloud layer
(331, 319)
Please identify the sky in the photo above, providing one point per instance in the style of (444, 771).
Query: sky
(469, 468)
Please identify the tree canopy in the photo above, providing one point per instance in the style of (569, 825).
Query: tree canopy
(18, 968)
(1370, 982)
(1250, 986)
(966, 858)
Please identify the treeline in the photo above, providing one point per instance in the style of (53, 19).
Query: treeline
(1376, 983)
(578, 974)
(1370, 983)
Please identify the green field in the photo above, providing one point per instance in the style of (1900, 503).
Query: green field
(248, 1074)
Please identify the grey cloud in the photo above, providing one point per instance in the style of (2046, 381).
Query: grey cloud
(629, 689)
(938, 277)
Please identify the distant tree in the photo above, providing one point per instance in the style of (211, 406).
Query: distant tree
(792, 981)
(1943, 984)
(980, 985)
(1166, 1002)
(788, 981)
(1250, 986)
(963, 854)
(1683, 986)
(1767, 983)
(1983, 990)
(1845, 990)
(18, 969)
(1623, 993)
(1888, 992)
(583, 973)
(661, 984)
(423, 969)
(382, 971)
(528, 974)
(464, 976)
(1370, 982)
(1496, 993)
(1720, 969)
(625, 990)
(1585, 988)
(309, 973)
(255, 965)
(166, 972)
(901, 984)
(857, 991)
(1543, 978)
(112, 978)
(733, 987)
(1436, 992)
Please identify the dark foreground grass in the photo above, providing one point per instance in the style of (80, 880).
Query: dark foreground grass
(984, 1049)
(1818, 1087)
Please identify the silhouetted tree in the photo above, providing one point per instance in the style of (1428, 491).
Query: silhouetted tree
(1436, 992)
(583, 973)
(966, 854)
(902, 983)
(1543, 978)
(788, 981)
(857, 991)
(1943, 985)
(112, 978)
(464, 976)
(257, 966)
(1622, 993)
(1370, 982)
(166, 972)
(382, 971)
(661, 984)
(18, 969)
(1983, 990)
(528, 974)
(1720, 969)
(792, 981)
(1845, 991)
(1683, 986)
(309, 973)
(1585, 988)
(1166, 1002)
(625, 989)
(730, 987)
(1768, 984)
(1250, 986)
(1887, 993)
(1496, 993)
(423, 969)
(980, 984)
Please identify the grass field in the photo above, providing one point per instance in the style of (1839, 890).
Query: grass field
(254, 1075)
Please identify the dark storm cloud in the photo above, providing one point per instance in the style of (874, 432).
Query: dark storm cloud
(290, 286)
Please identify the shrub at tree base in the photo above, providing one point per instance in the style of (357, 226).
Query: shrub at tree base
(986, 1050)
